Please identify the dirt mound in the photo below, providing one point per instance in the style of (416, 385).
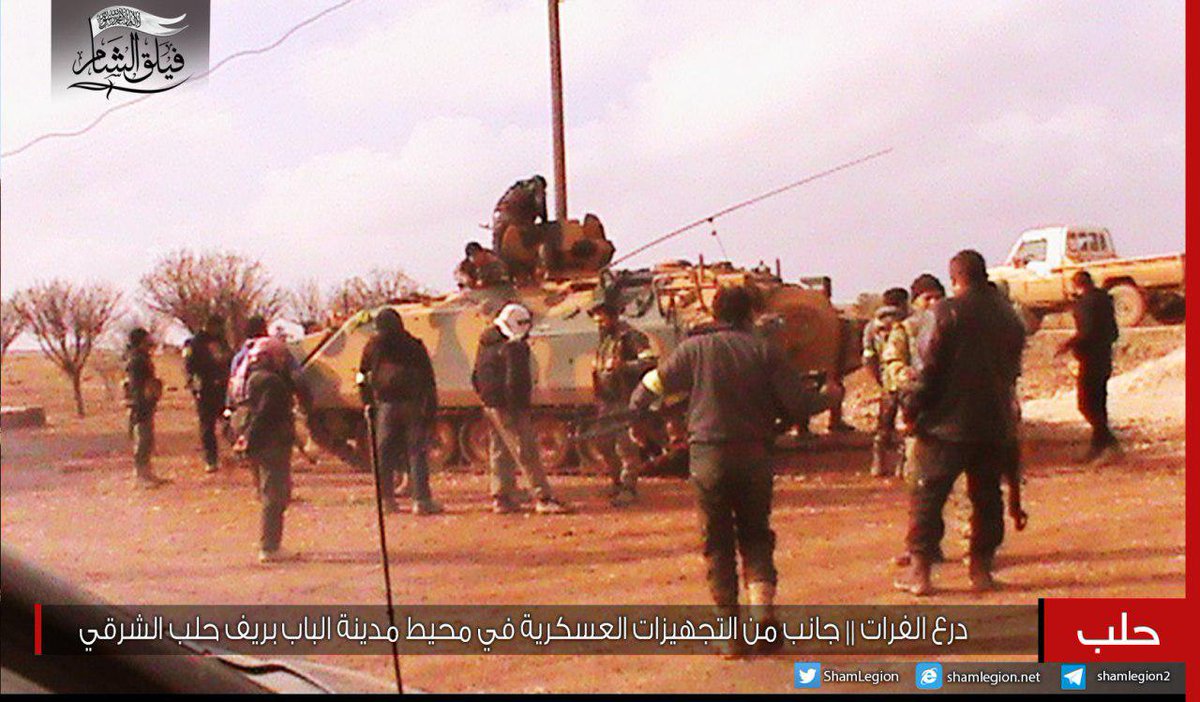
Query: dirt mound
(1149, 397)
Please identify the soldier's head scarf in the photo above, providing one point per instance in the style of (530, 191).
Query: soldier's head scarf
(514, 321)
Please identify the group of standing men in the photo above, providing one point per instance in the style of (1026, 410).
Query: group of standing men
(397, 383)
(254, 388)
(949, 371)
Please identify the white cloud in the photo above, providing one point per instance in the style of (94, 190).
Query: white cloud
(384, 135)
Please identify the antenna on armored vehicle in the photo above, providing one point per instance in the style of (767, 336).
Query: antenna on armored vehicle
(556, 101)
(746, 203)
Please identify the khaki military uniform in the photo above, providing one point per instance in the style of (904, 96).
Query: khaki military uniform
(622, 359)
(143, 390)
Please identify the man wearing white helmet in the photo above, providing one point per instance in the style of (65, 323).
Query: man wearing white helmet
(504, 380)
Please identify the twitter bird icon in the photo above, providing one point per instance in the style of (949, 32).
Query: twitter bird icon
(808, 675)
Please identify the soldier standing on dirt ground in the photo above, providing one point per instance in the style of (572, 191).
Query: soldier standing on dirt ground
(962, 411)
(143, 390)
(887, 317)
(902, 358)
(206, 360)
(738, 386)
(268, 440)
(396, 378)
(481, 268)
(503, 378)
(623, 357)
(1092, 344)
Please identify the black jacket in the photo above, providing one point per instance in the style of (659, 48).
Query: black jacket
(207, 364)
(142, 386)
(966, 389)
(503, 377)
(738, 385)
(270, 425)
(398, 369)
(1095, 328)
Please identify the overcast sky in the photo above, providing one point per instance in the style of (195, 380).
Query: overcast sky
(383, 134)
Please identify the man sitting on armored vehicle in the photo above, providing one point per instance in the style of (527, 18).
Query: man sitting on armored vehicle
(481, 268)
(519, 227)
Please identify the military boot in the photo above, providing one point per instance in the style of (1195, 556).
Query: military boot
(730, 649)
(979, 570)
(918, 580)
(762, 608)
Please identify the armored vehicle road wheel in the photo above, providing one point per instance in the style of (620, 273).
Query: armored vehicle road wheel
(443, 444)
(553, 436)
(473, 438)
(591, 458)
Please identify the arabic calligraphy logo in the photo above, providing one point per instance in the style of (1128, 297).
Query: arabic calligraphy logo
(1151, 638)
(128, 49)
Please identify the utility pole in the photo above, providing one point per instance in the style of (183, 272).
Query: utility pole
(556, 96)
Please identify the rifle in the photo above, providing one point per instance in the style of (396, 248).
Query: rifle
(1012, 477)
(611, 424)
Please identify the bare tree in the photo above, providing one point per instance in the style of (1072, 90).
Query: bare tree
(68, 321)
(11, 325)
(191, 288)
(308, 305)
(379, 287)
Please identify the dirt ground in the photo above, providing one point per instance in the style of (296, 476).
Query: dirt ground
(67, 504)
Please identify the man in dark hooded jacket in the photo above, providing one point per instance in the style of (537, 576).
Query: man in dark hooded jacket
(207, 358)
(397, 380)
(269, 438)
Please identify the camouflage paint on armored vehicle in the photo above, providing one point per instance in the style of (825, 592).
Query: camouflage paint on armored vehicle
(664, 302)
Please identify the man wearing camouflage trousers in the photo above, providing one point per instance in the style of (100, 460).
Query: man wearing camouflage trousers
(623, 357)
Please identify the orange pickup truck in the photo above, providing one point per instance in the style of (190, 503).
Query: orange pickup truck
(1037, 276)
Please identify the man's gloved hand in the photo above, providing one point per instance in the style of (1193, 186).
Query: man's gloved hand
(364, 390)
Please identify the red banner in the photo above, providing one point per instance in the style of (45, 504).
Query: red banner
(1114, 630)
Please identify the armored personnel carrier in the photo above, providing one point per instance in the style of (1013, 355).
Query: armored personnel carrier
(664, 302)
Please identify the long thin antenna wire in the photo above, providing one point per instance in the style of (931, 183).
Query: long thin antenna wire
(369, 413)
(747, 203)
(720, 243)
(245, 52)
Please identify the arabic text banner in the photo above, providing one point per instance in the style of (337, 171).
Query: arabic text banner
(542, 629)
(1124, 630)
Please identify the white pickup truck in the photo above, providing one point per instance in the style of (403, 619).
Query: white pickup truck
(1037, 275)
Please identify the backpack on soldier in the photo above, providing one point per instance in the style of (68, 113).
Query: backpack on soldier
(237, 398)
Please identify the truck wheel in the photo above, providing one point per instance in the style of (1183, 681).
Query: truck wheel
(1129, 304)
